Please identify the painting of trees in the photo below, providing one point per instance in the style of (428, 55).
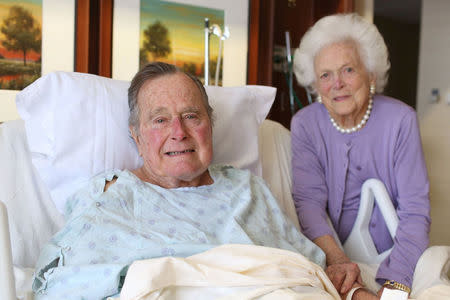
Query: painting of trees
(175, 33)
(156, 40)
(20, 43)
(21, 31)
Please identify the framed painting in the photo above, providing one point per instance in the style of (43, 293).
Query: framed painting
(175, 33)
(133, 17)
(51, 47)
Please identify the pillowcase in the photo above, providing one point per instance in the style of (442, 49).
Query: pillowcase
(77, 127)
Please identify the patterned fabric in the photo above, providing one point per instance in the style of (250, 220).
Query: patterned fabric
(133, 220)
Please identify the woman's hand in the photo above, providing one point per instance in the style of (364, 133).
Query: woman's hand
(380, 291)
(344, 275)
(364, 294)
(342, 272)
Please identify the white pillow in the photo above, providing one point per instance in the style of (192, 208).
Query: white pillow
(77, 127)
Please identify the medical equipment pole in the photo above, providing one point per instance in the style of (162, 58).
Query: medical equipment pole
(206, 51)
(289, 65)
(216, 81)
(223, 36)
(7, 284)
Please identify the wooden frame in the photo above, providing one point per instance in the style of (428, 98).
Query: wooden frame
(261, 34)
(105, 47)
(94, 37)
(82, 36)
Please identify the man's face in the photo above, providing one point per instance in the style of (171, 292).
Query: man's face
(175, 133)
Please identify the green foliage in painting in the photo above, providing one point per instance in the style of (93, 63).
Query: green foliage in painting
(143, 60)
(157, 41)
(22, 31)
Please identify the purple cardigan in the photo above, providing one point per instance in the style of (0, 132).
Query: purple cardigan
(387, 148)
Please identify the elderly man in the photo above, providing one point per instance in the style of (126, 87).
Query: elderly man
(176, 204)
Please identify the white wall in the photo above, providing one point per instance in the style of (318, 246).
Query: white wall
(434, 61)
(434, 118)
(365, 9)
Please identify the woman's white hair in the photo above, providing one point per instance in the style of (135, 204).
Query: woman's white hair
(339, 28)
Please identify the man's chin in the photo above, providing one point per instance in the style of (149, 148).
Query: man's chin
(186, 173)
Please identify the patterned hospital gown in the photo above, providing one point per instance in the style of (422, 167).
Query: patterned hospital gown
(106, 231)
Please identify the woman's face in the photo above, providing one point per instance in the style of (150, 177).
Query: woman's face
(175, 137)
(343, 82)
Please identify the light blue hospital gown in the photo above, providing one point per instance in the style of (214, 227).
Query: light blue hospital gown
(106, 231)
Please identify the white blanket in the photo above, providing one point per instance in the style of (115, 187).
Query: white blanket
(229, 272)
(256, 272)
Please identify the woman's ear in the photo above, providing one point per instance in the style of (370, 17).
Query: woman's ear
(373, 79)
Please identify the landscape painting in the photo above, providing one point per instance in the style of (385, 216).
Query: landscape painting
(174, 33)
(20, 43)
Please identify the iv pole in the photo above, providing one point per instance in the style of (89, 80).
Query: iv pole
(214, 29)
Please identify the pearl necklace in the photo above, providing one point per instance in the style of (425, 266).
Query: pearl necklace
(357, 127)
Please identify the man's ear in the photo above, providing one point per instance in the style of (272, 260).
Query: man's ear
(135, 137)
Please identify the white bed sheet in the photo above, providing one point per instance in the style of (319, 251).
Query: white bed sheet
(33, 218)
(229, 272)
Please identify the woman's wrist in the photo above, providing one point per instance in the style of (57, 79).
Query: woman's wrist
(337, 257)
(334, 254)
(389, 293)
(392, 284)
(362, 294)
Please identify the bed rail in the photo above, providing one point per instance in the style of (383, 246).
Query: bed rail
(359, 245)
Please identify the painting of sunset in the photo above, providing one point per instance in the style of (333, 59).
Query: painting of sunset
(174, 33)
(20, 43)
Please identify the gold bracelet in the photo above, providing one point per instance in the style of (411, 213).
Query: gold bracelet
(398, 286)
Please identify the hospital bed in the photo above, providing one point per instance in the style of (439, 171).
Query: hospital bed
(48, 154)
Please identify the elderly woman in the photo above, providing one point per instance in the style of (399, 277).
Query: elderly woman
(176, 204)
(353, 133)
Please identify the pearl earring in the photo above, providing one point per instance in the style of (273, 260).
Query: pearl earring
(372, 89)
(319, 98)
